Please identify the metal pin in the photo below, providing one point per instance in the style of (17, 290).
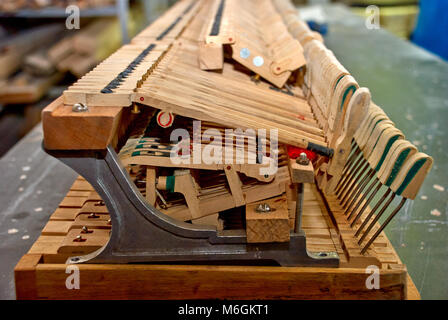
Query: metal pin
(135, 109)
(355, 151)
(384, 225)
(299, 207)
(348, 165)
(358, 189)
(348, 175)
(377, 217)
(378, 184)
(352, 181)
(366, 220)
(165, 204)
(256, 78)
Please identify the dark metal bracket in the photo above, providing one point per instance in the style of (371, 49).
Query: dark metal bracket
(142, 234)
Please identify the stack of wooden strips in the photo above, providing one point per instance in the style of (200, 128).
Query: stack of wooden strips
(33, 61)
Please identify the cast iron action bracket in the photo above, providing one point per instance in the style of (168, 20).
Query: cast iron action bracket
(142, 234)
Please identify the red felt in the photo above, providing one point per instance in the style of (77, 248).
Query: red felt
(294, 152)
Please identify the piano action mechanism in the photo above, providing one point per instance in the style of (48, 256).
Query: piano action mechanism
(210, 73)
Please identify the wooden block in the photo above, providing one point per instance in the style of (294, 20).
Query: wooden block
(25, 276)
(301, 173)
(90, 241)
(143, 281)
(268, 227)
(65, 214)
(81, 185)
(211, 56)
(59, 228)
(73, 202)
(65, 129)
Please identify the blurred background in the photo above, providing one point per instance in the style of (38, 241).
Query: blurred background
(40, 56)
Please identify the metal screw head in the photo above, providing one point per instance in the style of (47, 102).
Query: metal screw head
(78, 237)
(80, 107)
(264, 208)
(85, 229)
(303, 159)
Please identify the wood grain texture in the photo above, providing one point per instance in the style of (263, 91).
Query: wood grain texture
(41, 274)
(68, 130)
(205, 282)
(268, 226)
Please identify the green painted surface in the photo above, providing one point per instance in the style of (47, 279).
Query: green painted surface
(411, 85)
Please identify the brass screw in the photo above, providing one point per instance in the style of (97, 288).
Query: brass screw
(256, 78)
(135, 109)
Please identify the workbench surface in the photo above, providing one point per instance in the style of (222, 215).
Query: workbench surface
(410, 84)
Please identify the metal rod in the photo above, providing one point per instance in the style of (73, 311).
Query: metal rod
(348, 165)
(377, 183)
(345, 173)
(384, 225)
(366, 220)
(353, 181)
(299, 207)
(377, 217)
(359, 188)
(354, 152)
(359, 162)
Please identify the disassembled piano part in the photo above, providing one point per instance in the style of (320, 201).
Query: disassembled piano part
(257, 37)
(118, 139)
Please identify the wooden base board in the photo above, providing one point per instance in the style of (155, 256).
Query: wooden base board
(42, 273)
(38, 280)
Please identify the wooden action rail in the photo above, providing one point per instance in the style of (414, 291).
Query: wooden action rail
(113, 82)
(128, 77)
